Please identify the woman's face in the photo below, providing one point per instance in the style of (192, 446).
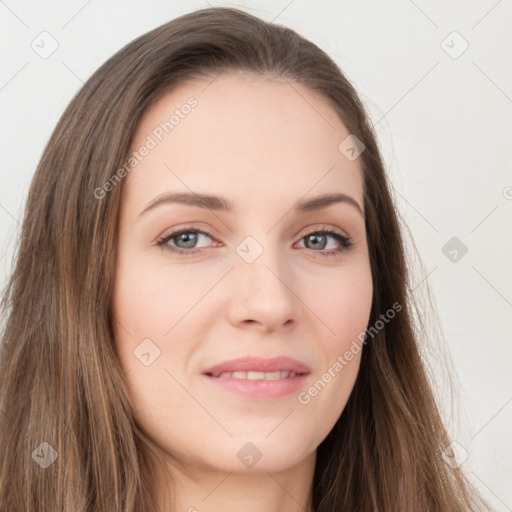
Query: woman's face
(244, 272)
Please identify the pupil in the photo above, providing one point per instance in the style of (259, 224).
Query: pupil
(314, 239)
(187, 239)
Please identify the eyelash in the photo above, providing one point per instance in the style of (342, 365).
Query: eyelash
(343, 240)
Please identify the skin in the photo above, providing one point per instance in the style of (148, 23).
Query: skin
(263, 145)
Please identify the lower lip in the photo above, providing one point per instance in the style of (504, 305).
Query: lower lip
(254, 389)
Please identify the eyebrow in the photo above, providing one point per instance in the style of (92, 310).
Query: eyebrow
(218, 203)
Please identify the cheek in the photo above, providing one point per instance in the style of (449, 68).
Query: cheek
(345, 311)
(148, 313)
(141, 318)
(346, 307)
(148, 305)
(159, 322)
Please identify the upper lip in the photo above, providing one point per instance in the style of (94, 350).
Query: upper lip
(258, 364)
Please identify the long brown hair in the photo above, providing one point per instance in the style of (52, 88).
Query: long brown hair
(69, 439)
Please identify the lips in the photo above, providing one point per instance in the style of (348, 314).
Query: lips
(256, 378)
(256, 365)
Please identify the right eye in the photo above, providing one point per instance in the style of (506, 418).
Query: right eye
(188, 237)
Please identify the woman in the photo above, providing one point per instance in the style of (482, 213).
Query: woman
(209, 308)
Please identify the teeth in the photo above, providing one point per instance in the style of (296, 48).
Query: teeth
(257, 375)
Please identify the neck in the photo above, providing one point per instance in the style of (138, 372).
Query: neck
(211, 490)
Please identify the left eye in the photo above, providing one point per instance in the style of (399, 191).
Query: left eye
(343, 241)
(185, 241)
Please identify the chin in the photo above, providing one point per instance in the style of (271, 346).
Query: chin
(264, 453)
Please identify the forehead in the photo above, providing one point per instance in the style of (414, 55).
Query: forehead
(256, 136)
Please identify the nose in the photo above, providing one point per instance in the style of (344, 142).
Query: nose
(263, 295)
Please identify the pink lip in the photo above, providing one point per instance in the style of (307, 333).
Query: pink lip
(259, 389)
(258, 364)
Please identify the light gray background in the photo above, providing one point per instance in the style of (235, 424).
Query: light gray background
(443, 120)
